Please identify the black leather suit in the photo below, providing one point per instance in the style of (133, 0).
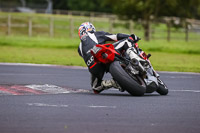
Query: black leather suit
(100, 37)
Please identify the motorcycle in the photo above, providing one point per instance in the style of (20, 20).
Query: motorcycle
(133, 76)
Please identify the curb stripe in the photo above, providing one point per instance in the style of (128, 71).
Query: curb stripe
(26, 89)
(37, 90)
(51, 89)
(9, 91)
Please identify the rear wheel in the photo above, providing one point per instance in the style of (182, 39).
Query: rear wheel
(134, 85)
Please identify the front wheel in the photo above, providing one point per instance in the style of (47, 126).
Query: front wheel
(162, 89)
(127, 82)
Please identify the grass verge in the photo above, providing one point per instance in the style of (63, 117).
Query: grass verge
(191, 47)
(160, 61)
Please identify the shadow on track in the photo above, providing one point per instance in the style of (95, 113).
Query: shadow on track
(120, 94)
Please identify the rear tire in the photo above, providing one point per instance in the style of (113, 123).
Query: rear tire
(125, 81)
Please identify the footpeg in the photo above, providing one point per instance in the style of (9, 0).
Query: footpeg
(148, 56)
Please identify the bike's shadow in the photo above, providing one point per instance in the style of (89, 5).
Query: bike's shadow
(124, 94)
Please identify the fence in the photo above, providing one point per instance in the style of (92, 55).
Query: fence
(10, 22)
(66, 25)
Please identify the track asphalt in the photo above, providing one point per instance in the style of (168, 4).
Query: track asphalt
(57, 99)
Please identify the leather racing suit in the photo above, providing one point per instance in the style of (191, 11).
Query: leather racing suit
(89, 40)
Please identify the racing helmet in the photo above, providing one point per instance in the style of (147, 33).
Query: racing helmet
(85, 27)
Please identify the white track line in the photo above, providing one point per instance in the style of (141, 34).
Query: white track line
(195, 91)
(43, 65)
(179, 72)
(46, 105)
(66, 106)
(79, 67)
(102, 106)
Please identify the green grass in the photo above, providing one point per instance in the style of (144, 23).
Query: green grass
(39, 42)
(176, 46)
(191, 47)
(176, 55)
(173, 56)
(40, 56)
(160, 61)
(175, 62)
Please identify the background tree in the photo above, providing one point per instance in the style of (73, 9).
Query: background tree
(82, 5)
(146, 10)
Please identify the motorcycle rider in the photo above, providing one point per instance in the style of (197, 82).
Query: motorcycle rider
(89, 38)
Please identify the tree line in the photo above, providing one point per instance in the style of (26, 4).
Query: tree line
(153, 10)
(145, 11)
(131, 8)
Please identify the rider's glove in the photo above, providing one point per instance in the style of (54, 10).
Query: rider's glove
(135, 38)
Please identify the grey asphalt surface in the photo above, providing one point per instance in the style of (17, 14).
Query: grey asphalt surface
(85, 112)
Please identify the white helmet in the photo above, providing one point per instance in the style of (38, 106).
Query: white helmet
(85, 27)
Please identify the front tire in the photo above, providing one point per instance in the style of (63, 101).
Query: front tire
(162, 89)
(125, 81)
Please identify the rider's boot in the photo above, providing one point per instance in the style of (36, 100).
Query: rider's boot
(107, 84)
(111, 83)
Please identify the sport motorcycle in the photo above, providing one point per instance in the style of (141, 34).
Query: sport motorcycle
(132, 75)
